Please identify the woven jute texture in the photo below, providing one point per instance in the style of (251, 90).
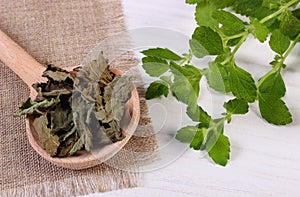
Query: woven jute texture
(62, 33)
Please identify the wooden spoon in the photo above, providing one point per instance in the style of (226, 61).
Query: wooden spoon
(30, 71)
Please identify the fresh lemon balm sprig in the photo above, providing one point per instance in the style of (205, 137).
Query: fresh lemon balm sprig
(220, 33)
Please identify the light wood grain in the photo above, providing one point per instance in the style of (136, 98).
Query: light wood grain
(18, 60)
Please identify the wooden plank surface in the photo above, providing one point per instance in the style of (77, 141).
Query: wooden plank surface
(264, 159)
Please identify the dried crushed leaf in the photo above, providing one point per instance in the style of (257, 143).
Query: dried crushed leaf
(78, 110)
(49, 141)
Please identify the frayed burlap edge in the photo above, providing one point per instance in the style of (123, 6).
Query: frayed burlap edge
(73, 186)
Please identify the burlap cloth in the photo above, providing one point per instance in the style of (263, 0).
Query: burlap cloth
(59, 32)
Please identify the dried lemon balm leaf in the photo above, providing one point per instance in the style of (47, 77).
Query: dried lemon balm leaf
(49, 141)
(78, 110)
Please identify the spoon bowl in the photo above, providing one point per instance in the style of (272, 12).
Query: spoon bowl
(84, 159)
(30, 71)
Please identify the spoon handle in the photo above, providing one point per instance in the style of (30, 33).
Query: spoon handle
(19, 61)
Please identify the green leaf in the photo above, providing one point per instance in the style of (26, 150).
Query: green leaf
(279, 42)
(157, 89)
(198, 49)
(296, 13)
(217, 77)
(259, 30)
(220, 152)
(196, 143)
(237, 106)
(272, 84)
(274, 110)
(263, 12)
(271, 89)
(162, 53)
(186, 134)
(209, 39)
(275, 25)
(217, 3)
(242, 84)
(193, 1)
(222, 3)
(246, 7)
(211, 135)
(204, 13)
(181, 88)
(188, 71)
(154, 66)
(290, 25)
(167, 79)
(233, 42)
(271, 4)
(198, 114)
(202, 125)
(185, 86)
(231, 24)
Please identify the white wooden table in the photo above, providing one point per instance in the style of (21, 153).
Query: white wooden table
(265, 159)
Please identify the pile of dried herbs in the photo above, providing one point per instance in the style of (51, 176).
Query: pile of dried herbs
(78, 110)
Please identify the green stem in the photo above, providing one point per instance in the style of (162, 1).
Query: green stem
(278, 66)
(245, 35)
(214, 126)
(278, 12)
(243, 39)
(204, 71)
(223, 36)
(187, 58)
(235, 36)
(290, 49)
